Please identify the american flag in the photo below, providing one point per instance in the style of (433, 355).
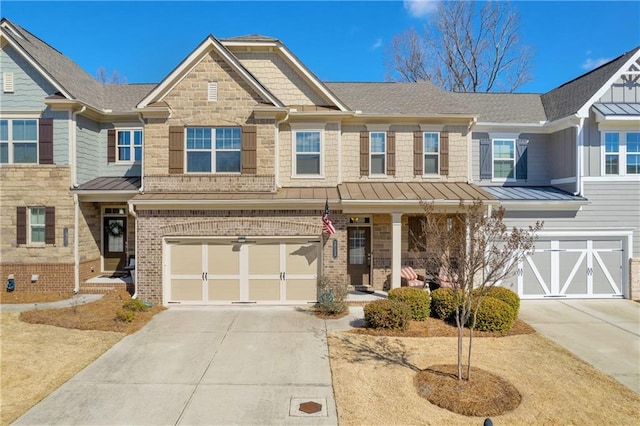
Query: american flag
(327, 226)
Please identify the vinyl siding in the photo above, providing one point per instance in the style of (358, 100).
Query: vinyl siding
(621, 199)
(591, 150)
(30, 87)
(562, 154)
(622, 91)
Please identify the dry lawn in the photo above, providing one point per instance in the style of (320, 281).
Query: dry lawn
(373, 379)
(37, 359)
(18, 296)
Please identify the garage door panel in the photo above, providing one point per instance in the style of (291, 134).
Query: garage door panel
(536, 274)
(572, 275)
(606, 272)
(186, 289)
(302, 258)
(223, 259)
(186, 259)
(264, 259)
(301, 289)
(264, 290)
(224, 290)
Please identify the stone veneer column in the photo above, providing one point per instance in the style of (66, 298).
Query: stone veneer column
(396, 248)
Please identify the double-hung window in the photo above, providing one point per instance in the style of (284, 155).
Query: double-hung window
(431, 153)
(213, 150)
(504, 159)
(18, 141)
(612, 153)
(633, 153)
(36, 225)
(378, 152)
(307, 152)
(621, 153)
(129, 145)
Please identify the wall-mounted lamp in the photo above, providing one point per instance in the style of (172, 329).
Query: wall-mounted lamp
(334, 248)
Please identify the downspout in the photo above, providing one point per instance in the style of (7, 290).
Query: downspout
(132, 212)
(339, 152)
(141, 190)
(276, 164)
(472, 123)
(579, 144)
(73, 158)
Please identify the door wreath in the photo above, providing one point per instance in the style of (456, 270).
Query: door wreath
(115, 229)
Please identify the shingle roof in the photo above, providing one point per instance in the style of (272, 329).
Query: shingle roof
(76, 81)
(250, 37)
(504, 107)
(421, 98)
(573, 95)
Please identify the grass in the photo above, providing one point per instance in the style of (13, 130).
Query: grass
(44, 348)
(18, 296)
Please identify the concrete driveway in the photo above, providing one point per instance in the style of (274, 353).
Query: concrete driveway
(603, 332)
(236, 365)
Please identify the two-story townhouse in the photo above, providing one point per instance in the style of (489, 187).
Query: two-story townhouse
(569, 157)
(216, 178)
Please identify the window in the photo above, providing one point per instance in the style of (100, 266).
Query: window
(307, 153)
(129, 145)
(612, 153)
(213, 150)
(431, 153)
(633, 153)
(378, 151)
(416, 233)
(504, 158)
(37, 225)
(18, 141)
(621, 153)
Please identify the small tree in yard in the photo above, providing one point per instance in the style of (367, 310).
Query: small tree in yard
(469, 249)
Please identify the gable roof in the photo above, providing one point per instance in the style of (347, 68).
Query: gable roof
(570, 97)
(422, 98)
(179, 72)
(68, 77)
(504, 107)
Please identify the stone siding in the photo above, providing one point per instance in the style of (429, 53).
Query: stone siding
(218, 183)
(634, 278)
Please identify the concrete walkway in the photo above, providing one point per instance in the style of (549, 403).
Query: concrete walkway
(213, 365)
(603, 332)
(80, 299)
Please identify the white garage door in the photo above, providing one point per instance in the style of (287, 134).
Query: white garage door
(572, 268)
(213, 272)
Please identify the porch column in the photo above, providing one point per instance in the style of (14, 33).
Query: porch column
(396, 249)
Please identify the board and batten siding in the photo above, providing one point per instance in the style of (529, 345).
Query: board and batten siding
(612, 205)
(562, 154)
(622, 91)
(538, 164)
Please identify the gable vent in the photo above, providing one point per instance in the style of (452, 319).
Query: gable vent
(212, 91)
(7, 82)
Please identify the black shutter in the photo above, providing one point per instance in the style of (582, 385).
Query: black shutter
(521, 158)
(485, 159)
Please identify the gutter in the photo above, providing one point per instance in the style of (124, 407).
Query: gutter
(470, 126)
(132, 212)
(276, 163)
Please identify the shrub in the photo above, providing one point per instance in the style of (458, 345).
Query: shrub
(493, 315)
(125, 315)
(134, 305)
(443, 303)
(418, 300)
(507, 296)
(332, 297)
(387, 314)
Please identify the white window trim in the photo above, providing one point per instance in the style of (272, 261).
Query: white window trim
(294, 171)
(10, 138)
(424, 153)
(622, 153)
(371, 154)
(30, 227)
(212, 151)
(132, 146)
(493, 162)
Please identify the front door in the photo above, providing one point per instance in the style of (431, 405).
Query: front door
(114, 250)
(359, 255)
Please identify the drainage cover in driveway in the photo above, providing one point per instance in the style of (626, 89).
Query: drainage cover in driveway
(308, 407)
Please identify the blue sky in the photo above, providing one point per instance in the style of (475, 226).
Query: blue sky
(338, 41)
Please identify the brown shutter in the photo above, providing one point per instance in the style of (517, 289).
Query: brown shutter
(391, 153)
(111, 146)
(50, 225)
(364, 153)
(444, 153)
(21, 225)
(45, 140)
(249, 150)
(176, 149)
(418, 153)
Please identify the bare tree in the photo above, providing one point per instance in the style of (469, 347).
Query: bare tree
(471, 250)
(467, 47)
(115, 78)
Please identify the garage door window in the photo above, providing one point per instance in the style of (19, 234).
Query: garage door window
(213, 150)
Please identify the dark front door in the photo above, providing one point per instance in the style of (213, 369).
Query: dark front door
(114, 241)
(359, 255)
